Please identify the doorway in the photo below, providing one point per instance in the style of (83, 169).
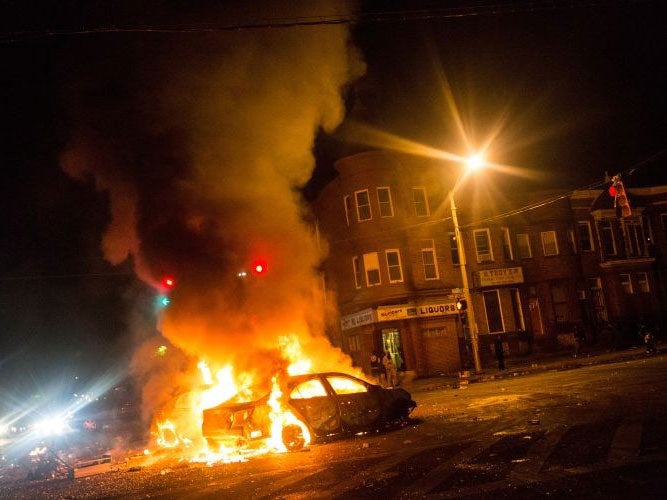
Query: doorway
(391, 343)
(535, 316)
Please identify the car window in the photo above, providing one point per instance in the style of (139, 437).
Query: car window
(345, 385)
(312, 388)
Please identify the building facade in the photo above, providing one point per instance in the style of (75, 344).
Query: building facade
(537, 263)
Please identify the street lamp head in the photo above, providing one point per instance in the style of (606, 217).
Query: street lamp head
(475, 162)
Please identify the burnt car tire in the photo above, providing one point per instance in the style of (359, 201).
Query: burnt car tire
(292, 437)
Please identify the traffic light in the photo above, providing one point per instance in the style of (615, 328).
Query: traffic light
(617, 191)
(461, 304)
(168, 282)
(166, 285)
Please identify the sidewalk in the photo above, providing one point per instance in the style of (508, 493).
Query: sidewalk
(525, 366)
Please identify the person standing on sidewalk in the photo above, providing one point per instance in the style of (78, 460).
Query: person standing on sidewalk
(500, 354)
(390, 370)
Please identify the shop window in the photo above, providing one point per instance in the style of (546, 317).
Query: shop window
(363, 205)
(494, 316)
(642, 283)
(394, 266)
(483, 245)
(549, 243)
(523, 244)
(384, 202)
(585, 236)
(372, 268)
(353, 343)
(420, 202)
(626, 283)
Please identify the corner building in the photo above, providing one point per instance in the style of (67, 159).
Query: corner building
(395, 268)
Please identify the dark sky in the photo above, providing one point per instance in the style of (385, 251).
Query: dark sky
(581, 87)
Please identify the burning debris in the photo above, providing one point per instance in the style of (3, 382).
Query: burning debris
(201, 148)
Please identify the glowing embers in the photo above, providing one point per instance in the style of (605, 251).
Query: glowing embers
(287, 431)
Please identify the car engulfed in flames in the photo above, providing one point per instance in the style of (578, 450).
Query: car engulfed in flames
(305, 407)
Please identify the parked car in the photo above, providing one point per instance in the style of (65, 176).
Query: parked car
(328, 404)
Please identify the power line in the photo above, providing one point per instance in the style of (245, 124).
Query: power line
(370, 17)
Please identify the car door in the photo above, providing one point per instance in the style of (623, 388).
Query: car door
(316, 406)
(360, 408)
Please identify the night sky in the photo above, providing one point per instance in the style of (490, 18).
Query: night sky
(581, 90)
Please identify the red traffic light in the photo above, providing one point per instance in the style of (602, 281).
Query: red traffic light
(613, 191)
(168, 282)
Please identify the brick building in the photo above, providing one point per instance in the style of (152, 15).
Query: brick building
(537, 263)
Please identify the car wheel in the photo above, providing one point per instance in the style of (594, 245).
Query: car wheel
(293, 437)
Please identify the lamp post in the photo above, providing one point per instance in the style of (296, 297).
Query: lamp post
(473, 163)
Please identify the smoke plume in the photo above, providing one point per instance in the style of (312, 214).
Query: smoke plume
(201, 142)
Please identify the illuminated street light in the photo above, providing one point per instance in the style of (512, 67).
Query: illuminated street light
(473, 163)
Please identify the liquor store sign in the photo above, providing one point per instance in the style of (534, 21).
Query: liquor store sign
(390, 313)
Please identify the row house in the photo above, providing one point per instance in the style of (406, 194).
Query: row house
(537, 264)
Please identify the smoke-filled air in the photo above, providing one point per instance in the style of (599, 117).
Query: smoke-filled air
(201, 144)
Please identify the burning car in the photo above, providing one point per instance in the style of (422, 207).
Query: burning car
(320, 405)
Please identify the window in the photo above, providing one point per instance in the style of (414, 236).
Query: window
(571, 239)
(454, 249)
(642, 283)
(353, 343)
(345, 385)
(384, 202)
(363, 205)
(372, 267)
(312, 388)
(626, 283)
(420, 202)
(348, 209)
(483, 245)
(356, 266)
(494, 316)
(607, 238)
(523, 243)
(507, 245)
(519, 323)
(430, 264)
(394, 266)
(585, 236)
(549, 243)
(634, 237)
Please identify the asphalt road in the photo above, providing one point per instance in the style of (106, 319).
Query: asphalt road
(596, 431)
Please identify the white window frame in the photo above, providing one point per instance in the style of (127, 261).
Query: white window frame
(642, 282)
(526, 237)
(356, 201)
(481, 257)
(515, 295)
(389, 267)
(357, 272)
(507, 242)
(626, 284)
(347, 206)
(430, 249)
(372, 263)
(591, 242)
(544, 235)
(634, 238)
(391, 203)
(414, 202)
